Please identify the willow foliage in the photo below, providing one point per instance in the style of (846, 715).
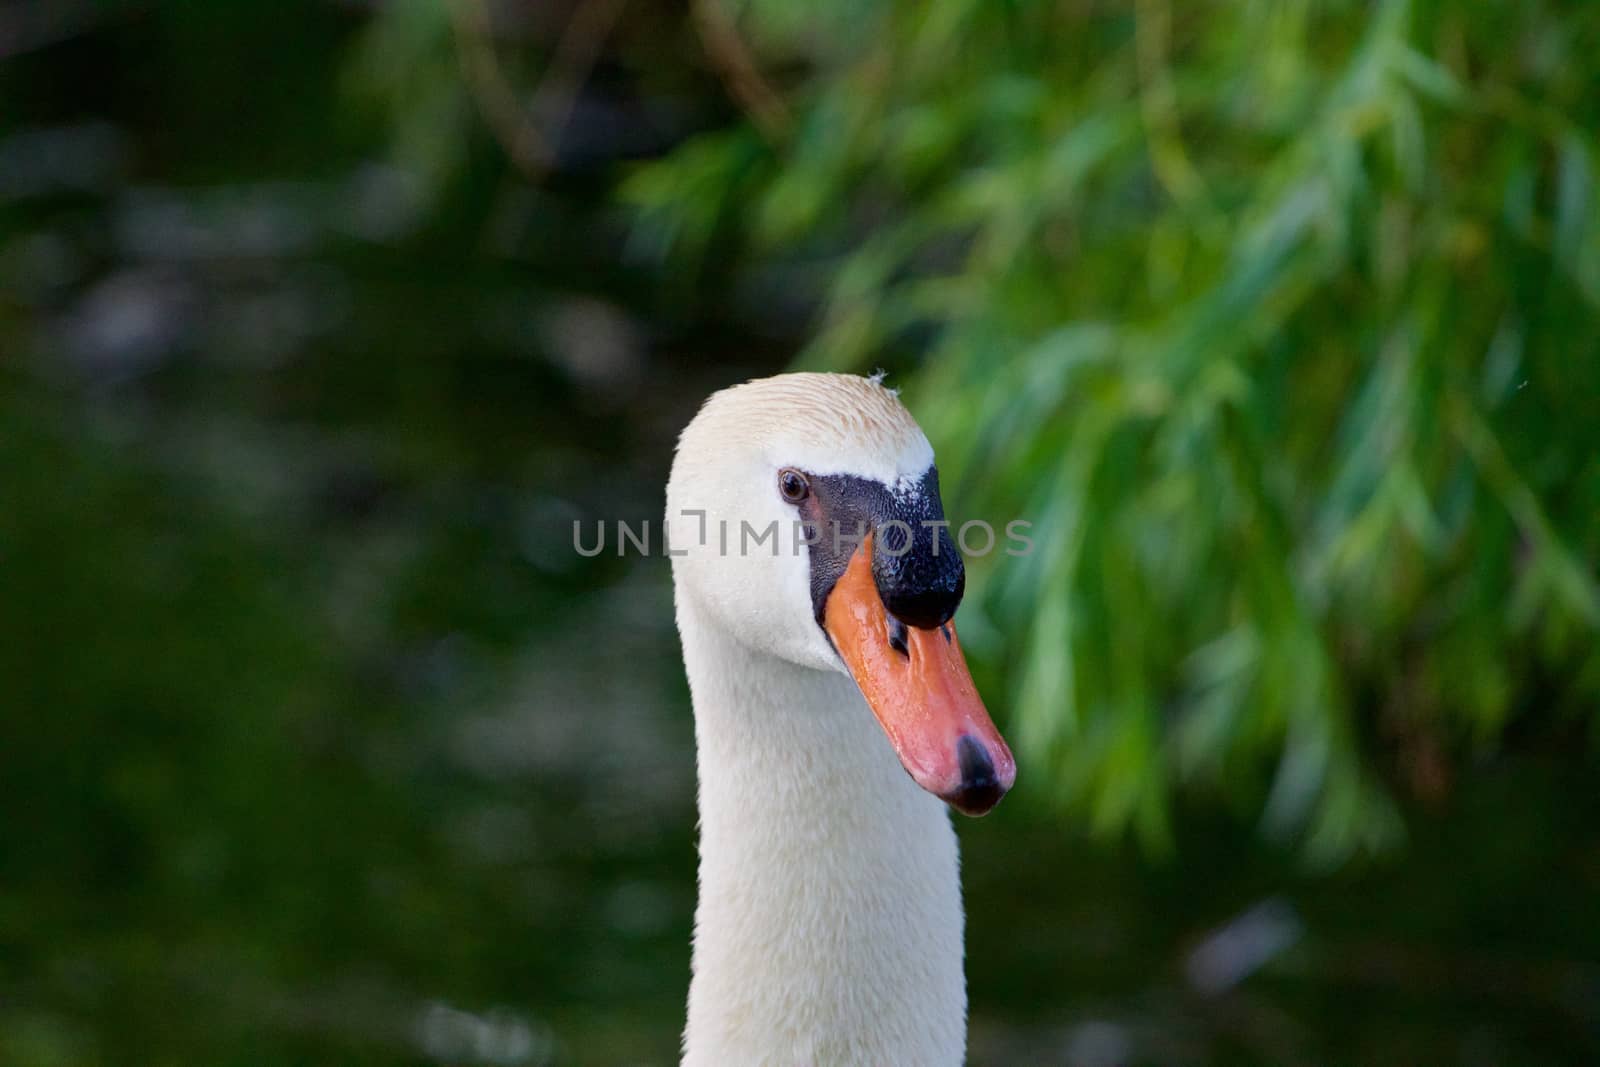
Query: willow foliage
(1281, 323)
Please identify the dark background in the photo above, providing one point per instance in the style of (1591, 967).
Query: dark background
(321, 322)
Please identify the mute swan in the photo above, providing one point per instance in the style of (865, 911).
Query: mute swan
(834, 720)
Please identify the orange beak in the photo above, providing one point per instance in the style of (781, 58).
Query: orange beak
(917, 683)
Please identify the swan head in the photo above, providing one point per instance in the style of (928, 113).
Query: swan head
(804, 520)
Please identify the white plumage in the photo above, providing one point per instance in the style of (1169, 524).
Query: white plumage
(829, 924)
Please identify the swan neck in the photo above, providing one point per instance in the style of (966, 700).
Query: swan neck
(829, 925)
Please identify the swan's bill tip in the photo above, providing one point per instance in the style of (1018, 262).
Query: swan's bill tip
(918, 686)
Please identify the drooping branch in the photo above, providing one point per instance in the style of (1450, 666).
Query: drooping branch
(739, 72)
(515, 125)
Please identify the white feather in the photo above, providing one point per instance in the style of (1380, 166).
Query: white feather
(829, 924)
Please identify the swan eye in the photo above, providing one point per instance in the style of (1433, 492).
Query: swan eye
(793, 485)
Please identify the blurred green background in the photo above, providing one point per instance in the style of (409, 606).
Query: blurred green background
(322, 320)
